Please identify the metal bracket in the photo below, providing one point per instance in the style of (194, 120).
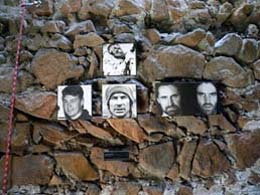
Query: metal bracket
(120, 155)
(36, 3)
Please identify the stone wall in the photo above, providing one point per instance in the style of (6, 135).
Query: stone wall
(180, 40)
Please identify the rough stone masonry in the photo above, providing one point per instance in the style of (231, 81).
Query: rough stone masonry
(187, 40)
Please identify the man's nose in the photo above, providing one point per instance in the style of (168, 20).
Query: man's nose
(207, 99)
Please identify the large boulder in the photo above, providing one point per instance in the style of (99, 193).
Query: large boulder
(172, 61)
(228, 71)
(52, 67)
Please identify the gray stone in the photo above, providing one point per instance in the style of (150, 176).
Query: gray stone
(81, 27)
(225, 10)
(172, 61)
(52, 67)
(256, 69)
(244, 147)
(30, 169)
(229, 45)
(207, 43)
(208, 160)
(228, 71)
(24, 79)
(20, 137)
(249, 51)
(157, 160)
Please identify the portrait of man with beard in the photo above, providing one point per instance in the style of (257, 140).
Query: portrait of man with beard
(169, 99)
(119, 101)
(207, 98)
(119, 59)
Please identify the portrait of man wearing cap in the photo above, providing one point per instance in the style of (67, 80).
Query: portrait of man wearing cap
(119, 101)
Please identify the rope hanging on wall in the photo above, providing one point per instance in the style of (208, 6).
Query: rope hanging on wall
(7, 158)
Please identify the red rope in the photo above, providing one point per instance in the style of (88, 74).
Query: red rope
(12, 104)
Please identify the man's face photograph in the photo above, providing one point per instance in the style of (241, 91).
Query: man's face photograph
(207, 98)
(169, 99)
(74, 102)
(73, 105)
(119, 101)
(119, 105)
(116, 51)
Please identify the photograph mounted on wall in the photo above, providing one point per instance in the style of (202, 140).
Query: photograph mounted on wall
(119, 101)
(74, 102)
(186, 98)
(119, 59)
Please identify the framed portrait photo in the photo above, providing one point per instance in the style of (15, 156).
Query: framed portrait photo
(119, 59)
(119, 101)
(74, 102)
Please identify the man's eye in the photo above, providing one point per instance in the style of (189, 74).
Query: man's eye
(199, 93)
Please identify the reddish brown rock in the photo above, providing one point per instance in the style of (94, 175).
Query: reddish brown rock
(173, 174)
(69, 7)
(185, 190)
(159, 63)
(57, 26)
(37, 103)
(185, 158)
(247, 124)
(126, 188)
(86, 127)
(76, 166)
(221, 122)
(153, 35)
(24, 79)
(191, 123)
(96, 8)
(244, 147)
(157, 160)
(91, 40)
(51, 134)
(44, 9)
(117, 168)
(129, 128)
(152, 124)
(153, 190)
(208, 160)
(176, 15)
(52, 67)
(127, 7)
(191, 39)
(30, 170)
(228, 71)
(20, 137)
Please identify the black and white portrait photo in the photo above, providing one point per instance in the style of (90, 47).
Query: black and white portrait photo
(207, 98)
(74, 102)
(168, 96)
(119, 101)
(119, 59)
(186, 98)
